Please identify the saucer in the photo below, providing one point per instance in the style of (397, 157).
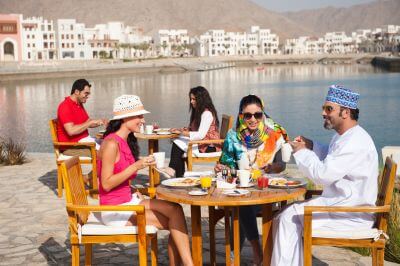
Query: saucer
(197, 193)
(235, 192)
(249, 185)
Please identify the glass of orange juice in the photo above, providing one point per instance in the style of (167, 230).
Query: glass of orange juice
(205, 182)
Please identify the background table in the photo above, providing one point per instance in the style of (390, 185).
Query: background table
(215, 198)
(154, 177)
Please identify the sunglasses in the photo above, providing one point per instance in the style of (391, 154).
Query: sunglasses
(257, 115)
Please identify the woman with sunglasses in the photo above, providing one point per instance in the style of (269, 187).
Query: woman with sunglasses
(256, 141)
(203, 125)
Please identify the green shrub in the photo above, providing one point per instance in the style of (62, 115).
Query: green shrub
(14, 152)
(392, 250)
(1, 151)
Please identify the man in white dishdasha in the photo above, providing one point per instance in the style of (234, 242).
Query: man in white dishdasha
(347, 168)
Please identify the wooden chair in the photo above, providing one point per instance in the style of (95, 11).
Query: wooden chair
(372, 238)
(193, 154)
(86, 229)
(61, 157)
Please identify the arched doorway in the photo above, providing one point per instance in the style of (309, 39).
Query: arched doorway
(9, 51)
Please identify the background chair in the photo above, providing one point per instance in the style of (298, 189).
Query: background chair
(374, 238)
(86, 229)
(61, 157)
(193, 153)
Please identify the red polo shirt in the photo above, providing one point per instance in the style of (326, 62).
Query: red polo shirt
(70, 111)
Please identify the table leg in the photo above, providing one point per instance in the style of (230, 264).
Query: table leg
(196, 235)
(227, 237)
(154, 178)
(267, 233)
(211, 230)
(236, 236)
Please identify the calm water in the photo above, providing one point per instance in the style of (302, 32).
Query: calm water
(293, 96)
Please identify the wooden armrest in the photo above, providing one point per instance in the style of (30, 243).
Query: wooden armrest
(312, 192)
(75, 144)
(310, 209)
(209, 141)
(139, 209)
(92, 192)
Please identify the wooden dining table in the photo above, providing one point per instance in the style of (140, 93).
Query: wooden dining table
(266, 198)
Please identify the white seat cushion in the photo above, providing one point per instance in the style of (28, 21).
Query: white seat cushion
(64, 157)
(95, 227)
(198, 154)
(349, 234)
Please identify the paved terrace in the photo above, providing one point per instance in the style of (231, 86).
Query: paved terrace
(34, 231)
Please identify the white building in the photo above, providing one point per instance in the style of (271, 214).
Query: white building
(339, 43)
(38, 39)
(220, 43)
(70, 40)
(172, 42)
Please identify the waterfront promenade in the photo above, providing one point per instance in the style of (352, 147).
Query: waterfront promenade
(59, 69)
(34, 228)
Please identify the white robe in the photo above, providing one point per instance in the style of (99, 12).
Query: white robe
(348, 171)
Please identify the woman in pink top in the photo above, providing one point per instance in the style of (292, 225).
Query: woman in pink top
(118, 163)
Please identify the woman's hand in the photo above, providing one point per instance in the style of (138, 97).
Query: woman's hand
(218, 167)
(139, 195)
(144, 162)
(176, 130)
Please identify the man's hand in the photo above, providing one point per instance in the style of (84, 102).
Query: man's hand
(96, 123)
(301, 142)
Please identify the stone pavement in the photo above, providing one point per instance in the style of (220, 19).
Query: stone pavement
(34, 229)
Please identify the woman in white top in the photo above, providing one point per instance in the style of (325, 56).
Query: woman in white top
(203, 126)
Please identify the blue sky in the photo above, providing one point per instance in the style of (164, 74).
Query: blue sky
(295, 5)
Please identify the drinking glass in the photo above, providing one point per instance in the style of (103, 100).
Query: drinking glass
(155, 125)
(205, 182)
(262, 182)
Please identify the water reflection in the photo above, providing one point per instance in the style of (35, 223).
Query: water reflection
(293, 96)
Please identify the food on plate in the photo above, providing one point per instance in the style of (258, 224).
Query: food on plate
(187, 182)
(283, 182)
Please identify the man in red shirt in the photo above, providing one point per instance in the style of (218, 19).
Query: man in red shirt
(73, 121)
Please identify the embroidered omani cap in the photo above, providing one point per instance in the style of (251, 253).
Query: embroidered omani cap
(342, 96)
(127, 106)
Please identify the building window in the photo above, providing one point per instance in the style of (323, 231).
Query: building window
(63, 45)
(46, 45)
(49, 27)
(72, 45)
(33, 45)
(72, 27)
(45, 36)
(42, 27)
(8, 28)
(29, 45)
(29, 55)
(62, 36)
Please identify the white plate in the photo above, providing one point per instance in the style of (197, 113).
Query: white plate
(197, 193)
(163, 133)
(235, 192)
(179, 182)
(249, 185)
(298, 182)
(276, 175)
(165, 129)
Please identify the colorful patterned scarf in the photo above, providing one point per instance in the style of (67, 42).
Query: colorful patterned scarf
(267, 133)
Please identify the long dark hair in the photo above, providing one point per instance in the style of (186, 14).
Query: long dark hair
(114, 126)
(247, 100)
(203, 102)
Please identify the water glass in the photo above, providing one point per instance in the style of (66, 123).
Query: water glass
(205, 182)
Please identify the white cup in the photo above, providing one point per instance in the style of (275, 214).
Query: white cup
(141, 129)
(286, 151)
(159, 157)
(244, 162)
(244, 177)
(149, 129)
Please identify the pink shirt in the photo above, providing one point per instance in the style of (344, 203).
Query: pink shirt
(121, 193)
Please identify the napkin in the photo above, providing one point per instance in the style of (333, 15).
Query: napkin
(197, 174)
(222, 184)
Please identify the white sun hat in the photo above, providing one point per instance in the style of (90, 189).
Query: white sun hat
(127, 106)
